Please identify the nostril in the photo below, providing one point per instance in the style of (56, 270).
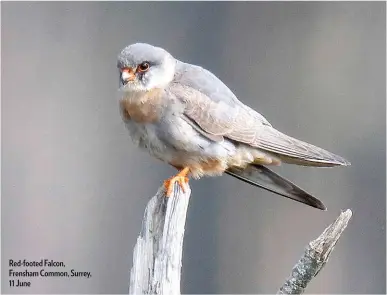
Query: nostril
(128, 75)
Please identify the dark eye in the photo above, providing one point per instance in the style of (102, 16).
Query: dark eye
(143, 67)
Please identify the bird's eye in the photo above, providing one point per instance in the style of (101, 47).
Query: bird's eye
(143, 67)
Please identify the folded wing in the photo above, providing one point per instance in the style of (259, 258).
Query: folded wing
(213, 108)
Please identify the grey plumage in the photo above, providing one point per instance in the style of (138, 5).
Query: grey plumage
(185, 116)
(217, 110)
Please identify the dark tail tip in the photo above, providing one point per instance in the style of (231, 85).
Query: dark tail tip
(263, 177)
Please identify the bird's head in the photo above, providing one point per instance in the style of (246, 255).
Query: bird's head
(143, 67)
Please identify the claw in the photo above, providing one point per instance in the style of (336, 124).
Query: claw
(181, 178)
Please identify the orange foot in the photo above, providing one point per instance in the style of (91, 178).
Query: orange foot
(181, 178)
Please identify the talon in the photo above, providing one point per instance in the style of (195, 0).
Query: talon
(181, 178)
(170, 183)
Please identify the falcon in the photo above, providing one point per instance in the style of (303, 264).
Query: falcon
(184, 115)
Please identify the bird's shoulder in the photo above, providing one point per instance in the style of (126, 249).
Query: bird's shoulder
(202, 80)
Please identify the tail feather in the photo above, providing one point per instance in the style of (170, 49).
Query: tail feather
(263, 177)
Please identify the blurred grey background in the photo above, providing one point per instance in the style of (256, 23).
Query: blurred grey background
(74, 188)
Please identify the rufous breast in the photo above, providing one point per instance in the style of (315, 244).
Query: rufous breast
(142, 108)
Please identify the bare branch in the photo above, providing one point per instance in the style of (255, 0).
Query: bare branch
(316, 256)
(158, 251)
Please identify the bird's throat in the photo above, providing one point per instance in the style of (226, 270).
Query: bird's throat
(141, 107)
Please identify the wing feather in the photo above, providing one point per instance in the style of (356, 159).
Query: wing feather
(217, 111)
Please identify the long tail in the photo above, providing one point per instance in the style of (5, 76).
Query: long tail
(263, 177)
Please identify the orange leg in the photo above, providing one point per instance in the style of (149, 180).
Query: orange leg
(181, 178)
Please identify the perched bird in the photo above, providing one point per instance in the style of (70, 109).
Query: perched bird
(184, 115)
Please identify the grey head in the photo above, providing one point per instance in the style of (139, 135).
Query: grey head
(144, 67)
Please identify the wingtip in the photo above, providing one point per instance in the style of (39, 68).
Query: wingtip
(345, 162)
(340, 161)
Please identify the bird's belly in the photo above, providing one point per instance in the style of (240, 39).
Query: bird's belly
(180, 145)
(145, 137)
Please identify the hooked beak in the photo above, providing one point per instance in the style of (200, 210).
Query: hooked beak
(127, 75)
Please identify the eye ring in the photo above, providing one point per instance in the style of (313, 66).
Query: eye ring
(143, 67)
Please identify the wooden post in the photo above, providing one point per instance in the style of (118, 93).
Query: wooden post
(158, 251)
